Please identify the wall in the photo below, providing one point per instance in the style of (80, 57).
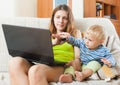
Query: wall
(6, 8)
(28, 8)
(77, 8)
(18, 8)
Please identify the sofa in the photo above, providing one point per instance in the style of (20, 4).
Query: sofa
(112, 42)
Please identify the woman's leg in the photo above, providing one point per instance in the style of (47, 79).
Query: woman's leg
(42, 74)
(18, 70)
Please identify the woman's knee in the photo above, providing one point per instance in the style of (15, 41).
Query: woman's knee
(37, 71)
(16, 63)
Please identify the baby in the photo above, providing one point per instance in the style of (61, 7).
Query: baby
(92, 53)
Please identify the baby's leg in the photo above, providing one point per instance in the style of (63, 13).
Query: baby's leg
(80, 76)
(66, 78)
(88, 70)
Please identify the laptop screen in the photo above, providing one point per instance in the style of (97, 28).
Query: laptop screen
(34, 44)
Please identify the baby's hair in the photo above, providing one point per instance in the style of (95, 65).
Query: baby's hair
(96, 30)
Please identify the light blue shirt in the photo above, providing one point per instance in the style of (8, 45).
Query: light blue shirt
(87, 55)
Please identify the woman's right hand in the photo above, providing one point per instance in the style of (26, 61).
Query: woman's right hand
(57, 39)
(60, 38)
(64, 35)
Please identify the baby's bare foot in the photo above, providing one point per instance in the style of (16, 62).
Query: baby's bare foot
(65, 78)
(79, 76)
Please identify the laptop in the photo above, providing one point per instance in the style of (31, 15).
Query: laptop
(33, 44)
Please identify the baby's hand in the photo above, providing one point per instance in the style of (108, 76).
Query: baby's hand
(105, 61)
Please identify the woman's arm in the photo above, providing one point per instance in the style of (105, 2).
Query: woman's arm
(76, 49)
(76, 63)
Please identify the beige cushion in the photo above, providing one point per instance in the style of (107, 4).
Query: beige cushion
(106, 72)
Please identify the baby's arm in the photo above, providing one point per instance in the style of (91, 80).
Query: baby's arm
(66, 37)
(105, 61)
(108, 59)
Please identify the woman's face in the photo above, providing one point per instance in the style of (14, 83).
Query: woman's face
(61, 20)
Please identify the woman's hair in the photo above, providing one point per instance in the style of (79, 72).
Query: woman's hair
(96, 30)
(70, 25)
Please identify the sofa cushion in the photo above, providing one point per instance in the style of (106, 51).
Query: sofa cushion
(108, 73)
(81, 24)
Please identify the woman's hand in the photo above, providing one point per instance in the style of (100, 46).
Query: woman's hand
(64, 35)
(75, 63)
(105, 61)
(60, 38)
(56, 39)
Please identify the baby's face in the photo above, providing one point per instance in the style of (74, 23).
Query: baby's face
(91, 41)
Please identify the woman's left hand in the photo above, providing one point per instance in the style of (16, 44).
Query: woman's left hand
(75, 63)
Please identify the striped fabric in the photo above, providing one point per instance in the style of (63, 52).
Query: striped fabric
(87, 55)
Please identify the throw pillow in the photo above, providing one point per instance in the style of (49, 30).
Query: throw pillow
(108, 73)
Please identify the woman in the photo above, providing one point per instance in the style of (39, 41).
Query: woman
(23, 72)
